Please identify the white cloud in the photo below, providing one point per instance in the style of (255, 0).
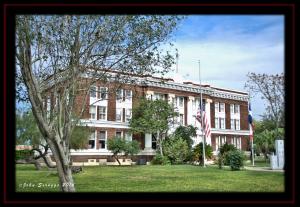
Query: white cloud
(227, 54)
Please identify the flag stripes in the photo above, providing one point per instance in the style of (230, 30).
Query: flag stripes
(206, 125)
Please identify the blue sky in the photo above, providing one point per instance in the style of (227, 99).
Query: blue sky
(228, 47)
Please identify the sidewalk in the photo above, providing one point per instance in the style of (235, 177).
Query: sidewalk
(262, 169)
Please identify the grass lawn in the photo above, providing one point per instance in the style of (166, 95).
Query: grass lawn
(153, 178)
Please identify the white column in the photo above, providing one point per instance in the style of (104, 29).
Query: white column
(148, 141)
(190, 118)
(207, 110)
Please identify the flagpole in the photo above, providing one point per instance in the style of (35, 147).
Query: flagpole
(252, 148)
(203, 143)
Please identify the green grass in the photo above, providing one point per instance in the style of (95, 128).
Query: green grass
(175, 178)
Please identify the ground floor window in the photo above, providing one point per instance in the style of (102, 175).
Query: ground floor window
(236, 141)
(119, 134)
(92, 141)
(154, 141)
(220, 140)
(102, 139)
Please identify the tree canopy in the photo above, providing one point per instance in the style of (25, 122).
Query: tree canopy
(55, 52)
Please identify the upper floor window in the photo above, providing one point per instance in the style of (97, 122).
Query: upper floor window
(128, 95)
(92, 112)
(181, 100)
(119, 113)
(219, 107)
(93, 92)
(119, 94)
(181, 119)
(235, 124)
(103, 93)
(234, 109)
(217, 124)
(102, 112)
(222, 123)
(128, 115)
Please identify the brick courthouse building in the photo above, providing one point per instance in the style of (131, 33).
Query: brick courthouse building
(108, 114)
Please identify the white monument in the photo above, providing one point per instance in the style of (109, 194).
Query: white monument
(277, 161)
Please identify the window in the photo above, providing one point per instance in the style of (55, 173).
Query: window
(216, 107)
(92, 141)
(181, 119)
(128, 115)
(118, 134)
(236, 109)
(92, 112)
(128, 95)
(119, 94)
(222, 122)
(102, 139)
(159, 96)
(232, 124)
(102, 112)
(93, 92)
(220, 140)
(128, 136)
(173, 101)
(119, 113)
(231, 108)
(222, 107)
(181, 101)
(236, 141)
(154, 141)
(237, 124)
(217, 125)
(103, 93)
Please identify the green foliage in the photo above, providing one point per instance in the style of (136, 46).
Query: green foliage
(198, 152)
(23, 154)
(176, 149)
(236, 159)
(151, 116)
(223, 158)
(158, 159)
(118, 146)
(79, 137)
(186, 133)
(131, 147)
(27, 131)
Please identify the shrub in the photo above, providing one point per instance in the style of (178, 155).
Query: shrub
(23, 154)
(176, 149)
(223, 158)
(158, 159)
(197, 152)
(236, 159)
(118, 146)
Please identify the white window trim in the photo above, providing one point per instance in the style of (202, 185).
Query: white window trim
(95, 90)
(91, 113)
(121, 134)
(106, 93)
(121, 114)
(95, 140)
(105, 113)
(105, 148)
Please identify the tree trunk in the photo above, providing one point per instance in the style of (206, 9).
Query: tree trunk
(64, 170)
(116, 157)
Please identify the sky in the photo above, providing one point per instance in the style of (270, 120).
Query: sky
(228, 47)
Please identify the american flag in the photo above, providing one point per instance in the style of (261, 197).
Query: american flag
(205, 119)
(251, 124)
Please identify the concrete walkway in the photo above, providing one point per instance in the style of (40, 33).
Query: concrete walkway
(262, 169)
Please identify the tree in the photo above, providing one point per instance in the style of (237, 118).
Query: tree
(27, 133)
(265, 136)
(271, 87)
(55, 53)
(119, 146)
(154, 117)
(186, 133)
